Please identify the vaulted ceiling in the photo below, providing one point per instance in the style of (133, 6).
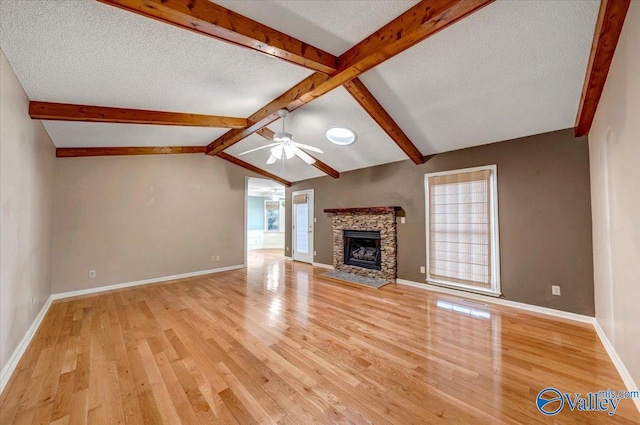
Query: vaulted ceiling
(510, 69)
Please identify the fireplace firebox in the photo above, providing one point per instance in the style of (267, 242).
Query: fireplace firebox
(362, 249)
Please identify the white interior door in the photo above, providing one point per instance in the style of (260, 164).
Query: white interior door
(302, 226)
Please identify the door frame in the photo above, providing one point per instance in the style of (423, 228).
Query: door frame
(312, 229)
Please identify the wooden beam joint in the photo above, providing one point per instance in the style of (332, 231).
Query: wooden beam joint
(416, 24)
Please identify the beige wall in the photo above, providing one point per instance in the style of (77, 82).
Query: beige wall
(27, 157)
(614, 146)
(140, 217)
(545, 215)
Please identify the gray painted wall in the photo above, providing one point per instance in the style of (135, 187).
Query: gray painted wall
(544, 207)
(27, 158)
(139, 217)
(615, 174)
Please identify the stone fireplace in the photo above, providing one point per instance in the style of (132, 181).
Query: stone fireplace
(364, 241)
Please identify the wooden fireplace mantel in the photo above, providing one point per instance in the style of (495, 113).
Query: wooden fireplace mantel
(363, 210)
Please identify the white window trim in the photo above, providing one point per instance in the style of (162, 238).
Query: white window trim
(496, 288)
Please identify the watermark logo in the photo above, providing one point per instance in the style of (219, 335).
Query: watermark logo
(551, 401)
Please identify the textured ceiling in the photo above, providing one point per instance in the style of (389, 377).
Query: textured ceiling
(67, 134)
(264, 187)
(333, 26)
(309, 124)
(82, 51)
(512, 69)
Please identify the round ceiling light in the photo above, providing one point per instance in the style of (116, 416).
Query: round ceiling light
(341, 136)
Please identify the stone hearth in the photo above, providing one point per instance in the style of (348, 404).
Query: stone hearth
(382, 219)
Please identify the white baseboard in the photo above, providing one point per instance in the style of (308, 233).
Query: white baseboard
(142, 282)
(617, 361)
(611, 351)
(501, 301)
(13, 361)
(11, 364)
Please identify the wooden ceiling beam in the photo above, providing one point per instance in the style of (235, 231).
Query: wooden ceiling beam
(70, 112)
(132, 150)
(416, 24)
(369, 103)
(605, 39)
(268, 134)
(204, 17)
(253, 168)
(160, 150)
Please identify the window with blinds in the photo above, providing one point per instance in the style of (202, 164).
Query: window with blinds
(462, 229)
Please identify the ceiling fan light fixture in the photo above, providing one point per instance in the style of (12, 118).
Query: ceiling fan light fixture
(289, 151)
(282, 137)
(277, 151)
(285, 148)
(341, 136)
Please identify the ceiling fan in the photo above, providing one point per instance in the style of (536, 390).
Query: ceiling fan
(285, 147)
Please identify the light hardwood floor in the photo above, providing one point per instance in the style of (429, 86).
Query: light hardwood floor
(279, 343)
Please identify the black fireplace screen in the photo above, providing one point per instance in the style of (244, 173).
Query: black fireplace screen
(362, 249)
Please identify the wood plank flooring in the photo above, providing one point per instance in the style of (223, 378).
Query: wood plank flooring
(277, 343)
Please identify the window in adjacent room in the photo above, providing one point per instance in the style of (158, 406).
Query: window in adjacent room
(462, 229)
(272, 216)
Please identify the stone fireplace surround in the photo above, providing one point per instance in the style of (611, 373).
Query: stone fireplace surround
(382, 219)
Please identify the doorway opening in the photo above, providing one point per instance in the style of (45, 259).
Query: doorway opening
(265, 219)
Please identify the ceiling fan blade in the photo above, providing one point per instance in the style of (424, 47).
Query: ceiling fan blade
(307, 147)
(305, 156)
(272, 159)
(257, 149)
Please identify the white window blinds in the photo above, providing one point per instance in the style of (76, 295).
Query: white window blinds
(300, 198)
(461, 229)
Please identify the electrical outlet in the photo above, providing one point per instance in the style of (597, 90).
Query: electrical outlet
(315, 220)
(402, 220)
(287, 249)
(555, 290)
(422, 270)
(92, 274)
(314, 253)
(217, 258)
